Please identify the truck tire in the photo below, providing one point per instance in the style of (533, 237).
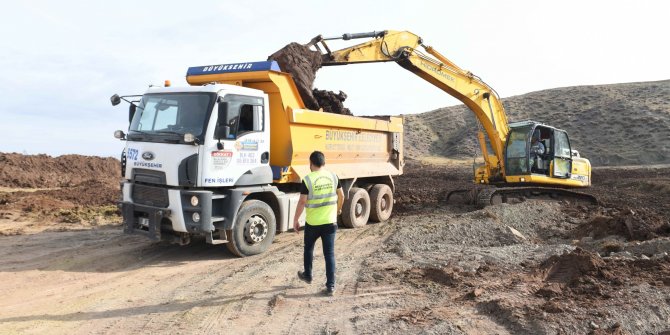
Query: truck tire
(356, 209)
(381, 197)
(253, 230)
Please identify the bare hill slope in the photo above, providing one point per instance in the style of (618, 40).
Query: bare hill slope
(619, 124)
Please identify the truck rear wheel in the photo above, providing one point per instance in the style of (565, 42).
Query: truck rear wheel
(253, 230)
(356, 209)
(381, 197)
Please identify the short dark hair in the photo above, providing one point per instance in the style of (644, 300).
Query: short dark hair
(317, 159)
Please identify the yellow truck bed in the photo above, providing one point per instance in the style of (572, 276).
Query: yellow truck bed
(355, 147)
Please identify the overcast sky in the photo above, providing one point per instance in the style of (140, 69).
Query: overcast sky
(61, 60)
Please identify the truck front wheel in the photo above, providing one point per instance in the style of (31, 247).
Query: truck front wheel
(253, 230)
(356, 209)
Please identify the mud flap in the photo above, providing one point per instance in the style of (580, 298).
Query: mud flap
(143, 220)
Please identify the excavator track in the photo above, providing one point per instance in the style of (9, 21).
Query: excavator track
(496, 195)
(493, 196)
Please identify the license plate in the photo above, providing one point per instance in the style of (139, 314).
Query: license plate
(144, 222)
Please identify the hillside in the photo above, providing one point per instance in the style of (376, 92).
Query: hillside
(619, 124)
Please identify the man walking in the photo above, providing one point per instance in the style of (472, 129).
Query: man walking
(322, 196)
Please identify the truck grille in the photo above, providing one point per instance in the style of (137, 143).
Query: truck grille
(150, 196)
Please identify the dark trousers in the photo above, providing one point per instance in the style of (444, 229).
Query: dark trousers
(327, 234)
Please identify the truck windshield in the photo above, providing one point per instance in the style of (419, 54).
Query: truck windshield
(177, 113)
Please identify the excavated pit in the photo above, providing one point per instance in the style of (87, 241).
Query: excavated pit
(303, 63)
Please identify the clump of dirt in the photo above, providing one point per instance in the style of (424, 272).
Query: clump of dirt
(581, 274)
(571, 267)
(640, 224)
(303, 63)
(332, 102)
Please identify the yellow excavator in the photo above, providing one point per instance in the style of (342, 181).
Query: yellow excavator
(529, 159)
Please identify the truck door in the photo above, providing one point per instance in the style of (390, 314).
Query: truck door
(562, 162)
(242, 158)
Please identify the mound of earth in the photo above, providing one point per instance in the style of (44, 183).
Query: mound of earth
(303, 63)
(585, 275)
(619, 124)
(639, 225)
(43, 171)
(65, 189)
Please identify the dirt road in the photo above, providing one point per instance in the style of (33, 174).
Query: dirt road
(102, 282)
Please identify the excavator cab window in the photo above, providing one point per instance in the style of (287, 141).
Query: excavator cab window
(540, 150)
(517, 151)
(562, 155)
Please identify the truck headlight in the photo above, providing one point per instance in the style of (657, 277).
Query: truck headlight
(195, 201)
(196, 217)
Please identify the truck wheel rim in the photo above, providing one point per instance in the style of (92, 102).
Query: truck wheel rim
(383, 203)
(359, 209)
(256, 229)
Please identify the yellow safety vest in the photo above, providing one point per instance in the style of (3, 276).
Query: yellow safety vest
(321, 204)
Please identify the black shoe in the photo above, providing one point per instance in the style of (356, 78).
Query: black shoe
(329, 291)
(304, 278)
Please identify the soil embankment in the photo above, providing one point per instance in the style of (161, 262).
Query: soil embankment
(39, 192)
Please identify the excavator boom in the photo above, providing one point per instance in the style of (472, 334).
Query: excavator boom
(404, 48)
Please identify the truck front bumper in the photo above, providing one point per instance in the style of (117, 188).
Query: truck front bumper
(142, 219)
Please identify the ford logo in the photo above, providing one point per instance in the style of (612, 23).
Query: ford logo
(148, 155)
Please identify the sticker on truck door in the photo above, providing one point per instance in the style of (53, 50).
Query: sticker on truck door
(221, 159)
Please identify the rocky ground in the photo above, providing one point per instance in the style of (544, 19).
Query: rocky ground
(527, 268)
(534, 267)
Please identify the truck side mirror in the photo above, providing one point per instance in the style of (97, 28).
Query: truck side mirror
(222, 129)
(131, 112)
(223, 113)
(115, 99)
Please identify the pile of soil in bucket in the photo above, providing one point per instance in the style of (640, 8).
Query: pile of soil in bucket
(303, 63)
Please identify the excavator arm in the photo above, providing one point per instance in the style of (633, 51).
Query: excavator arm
(402, 47)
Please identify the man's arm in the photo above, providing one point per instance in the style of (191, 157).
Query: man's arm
(298, 211)
(340, 200)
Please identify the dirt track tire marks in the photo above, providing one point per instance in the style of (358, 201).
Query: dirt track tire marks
(107, 282)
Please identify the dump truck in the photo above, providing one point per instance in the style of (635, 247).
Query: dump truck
(225, 156)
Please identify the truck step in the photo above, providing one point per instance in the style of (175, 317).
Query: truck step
(221, 240)
(218, 196)
(218, 218)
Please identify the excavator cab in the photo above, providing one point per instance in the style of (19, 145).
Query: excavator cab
(536, 150)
